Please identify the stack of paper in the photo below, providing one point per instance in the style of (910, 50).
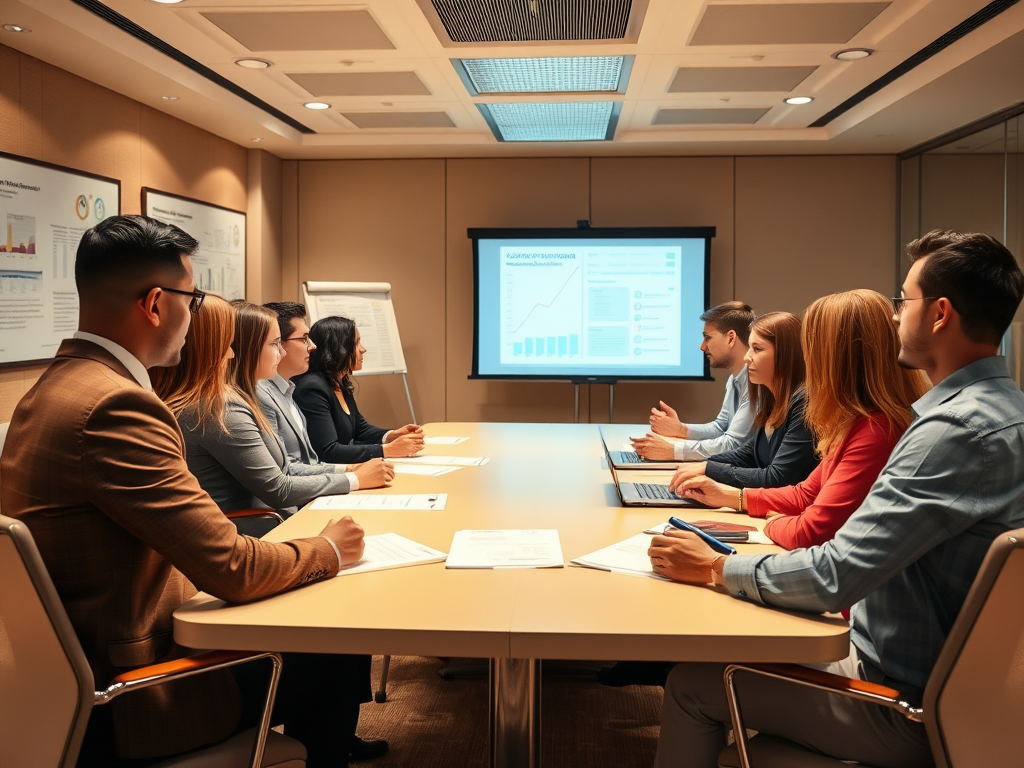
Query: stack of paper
(382, 501)
(629, 556)
(506, 549)
(389, 550)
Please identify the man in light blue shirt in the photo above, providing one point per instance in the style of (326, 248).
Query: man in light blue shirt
(906, 559)
(726, 331)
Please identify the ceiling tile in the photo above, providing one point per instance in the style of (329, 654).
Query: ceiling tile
(788, 24)
(303, 31)
(724, 116)
(737, 79)
(361, 83)
(399, 119)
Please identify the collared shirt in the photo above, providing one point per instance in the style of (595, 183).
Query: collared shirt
(731, 428)
(907, 557)
(126, 358)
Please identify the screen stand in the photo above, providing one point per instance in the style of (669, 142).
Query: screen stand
(611, 402)
(576, 410)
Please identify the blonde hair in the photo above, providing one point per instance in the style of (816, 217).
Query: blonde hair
(851, 347)
(782, 331)
(198, 382)
(252, 324)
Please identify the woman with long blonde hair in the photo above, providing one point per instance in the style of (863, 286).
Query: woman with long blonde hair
(229, 445)
(858, 406)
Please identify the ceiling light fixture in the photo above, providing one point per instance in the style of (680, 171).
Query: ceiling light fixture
(250, 63)
(169, 98)
(545, 75)
(16, 28)
(852, 54)
(552, 121)
(795, 100)
(256, 140)
(317, 105)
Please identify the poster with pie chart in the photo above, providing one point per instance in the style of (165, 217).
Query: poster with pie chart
(44, 211)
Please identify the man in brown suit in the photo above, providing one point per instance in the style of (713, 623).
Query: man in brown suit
(93, 464)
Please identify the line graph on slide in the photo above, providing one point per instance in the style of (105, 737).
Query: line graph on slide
(541, 309)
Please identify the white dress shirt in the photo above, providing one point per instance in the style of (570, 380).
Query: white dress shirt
(126, 358)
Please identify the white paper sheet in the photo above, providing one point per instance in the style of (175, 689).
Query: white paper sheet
(753, 537)
(424, 469)
(506, 549)
(454, 461)
(389, 550)
(629, 556)
(382, 501)
(444, 440)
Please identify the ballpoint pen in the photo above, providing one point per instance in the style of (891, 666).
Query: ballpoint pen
(708, 539)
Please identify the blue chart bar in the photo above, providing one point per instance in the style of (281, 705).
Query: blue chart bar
(517, 348)
(540, 346)
(563, 346)
(529, 347)
(574, 344)
(551, 346)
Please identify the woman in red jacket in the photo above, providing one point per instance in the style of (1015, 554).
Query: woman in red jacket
(858, 406)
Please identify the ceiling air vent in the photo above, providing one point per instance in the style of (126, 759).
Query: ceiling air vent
(476, 22)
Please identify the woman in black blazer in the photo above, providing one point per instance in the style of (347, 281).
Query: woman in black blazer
(337, 430)
(781, 451)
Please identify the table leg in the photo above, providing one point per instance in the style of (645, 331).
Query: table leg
(515, 713)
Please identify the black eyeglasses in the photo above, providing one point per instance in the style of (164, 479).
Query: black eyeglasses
(197, 297)
(899, 301)
(304, 339)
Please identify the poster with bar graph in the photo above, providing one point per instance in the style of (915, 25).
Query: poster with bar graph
(44, 211)
(219, 264)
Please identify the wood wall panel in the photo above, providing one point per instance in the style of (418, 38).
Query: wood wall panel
(290, 230)
(668, 192)
(10, 101)
(31, 74)
(810, 226)
(383, 221)
(504, 193)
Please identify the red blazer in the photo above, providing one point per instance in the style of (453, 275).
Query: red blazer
(816, 508)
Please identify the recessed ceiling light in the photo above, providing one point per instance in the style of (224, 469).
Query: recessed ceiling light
(551, 121)
(317, 105)
(16, 28)
(852, 54)
(799, 100)
(545, 75)
(257, 140)
(169, 98)
(254, 63)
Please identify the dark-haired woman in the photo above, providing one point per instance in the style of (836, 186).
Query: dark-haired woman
(782, 449)
(337, 429)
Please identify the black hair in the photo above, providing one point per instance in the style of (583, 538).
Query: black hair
(978, 275)
(287, 313)
(335, 353)
(130, 249)
(731, 316)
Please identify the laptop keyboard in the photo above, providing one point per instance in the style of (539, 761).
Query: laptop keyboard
(630, 457)
(654, 491)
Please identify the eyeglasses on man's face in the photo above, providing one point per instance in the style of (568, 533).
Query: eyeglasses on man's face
(304, 339)
(197, 297)
(899, 301)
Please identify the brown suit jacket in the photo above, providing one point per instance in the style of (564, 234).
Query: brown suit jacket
(94, 466)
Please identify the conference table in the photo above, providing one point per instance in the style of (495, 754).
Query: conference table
(539, 476)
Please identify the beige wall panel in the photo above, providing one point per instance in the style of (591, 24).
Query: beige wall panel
(31, 75)
(10, 101)
(290, 230)
(963, 192)
(270, 235)
(12, 387)
(668, 192)
(810, 226)
(504, 193)
(383, 221)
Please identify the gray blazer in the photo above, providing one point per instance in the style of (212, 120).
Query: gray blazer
(245, 467)
(279, 413)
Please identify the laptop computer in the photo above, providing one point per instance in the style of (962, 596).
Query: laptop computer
(647, 494)
(632, 460)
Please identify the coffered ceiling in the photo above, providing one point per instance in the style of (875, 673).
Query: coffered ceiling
(696, 78)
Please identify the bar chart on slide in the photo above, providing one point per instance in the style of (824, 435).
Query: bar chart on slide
(542, 307)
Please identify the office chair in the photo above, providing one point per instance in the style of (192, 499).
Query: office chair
(47, 688)
(974, 700)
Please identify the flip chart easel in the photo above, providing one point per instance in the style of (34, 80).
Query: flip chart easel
(369, 305)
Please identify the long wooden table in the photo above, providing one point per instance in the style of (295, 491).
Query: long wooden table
(539, 476)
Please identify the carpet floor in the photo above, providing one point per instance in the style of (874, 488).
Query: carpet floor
(430, 722)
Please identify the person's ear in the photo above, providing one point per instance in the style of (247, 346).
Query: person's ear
(943, 315)
(149, 306)
(730, 338)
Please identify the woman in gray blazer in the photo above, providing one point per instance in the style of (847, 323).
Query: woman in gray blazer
(229, 445)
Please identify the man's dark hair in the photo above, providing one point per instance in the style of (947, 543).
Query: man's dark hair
(978, 275)
(335, 353)
(731, 316)
(131, 249)
(287, 313)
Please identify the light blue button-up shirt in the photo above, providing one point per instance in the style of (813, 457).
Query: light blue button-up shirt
(906, 559)
(733, 426)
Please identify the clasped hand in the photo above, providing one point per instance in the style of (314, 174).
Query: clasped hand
(404, 441)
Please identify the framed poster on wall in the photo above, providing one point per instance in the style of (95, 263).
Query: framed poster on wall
(44, 211)
(219, 264)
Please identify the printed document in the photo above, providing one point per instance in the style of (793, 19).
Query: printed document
(382, 501)
(629, 556)
(506, 549)
(389, 550)
(452, 461)
(444, 440)
(424, 469)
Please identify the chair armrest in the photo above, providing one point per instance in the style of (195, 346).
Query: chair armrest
(154, 674)
(237, 514)
(836, 683)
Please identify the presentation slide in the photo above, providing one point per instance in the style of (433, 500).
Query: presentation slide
(44, 211)
(591, 306)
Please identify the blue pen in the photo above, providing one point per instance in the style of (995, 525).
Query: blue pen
(710, 540)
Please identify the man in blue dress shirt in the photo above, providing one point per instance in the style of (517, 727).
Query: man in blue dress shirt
(906, 559)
